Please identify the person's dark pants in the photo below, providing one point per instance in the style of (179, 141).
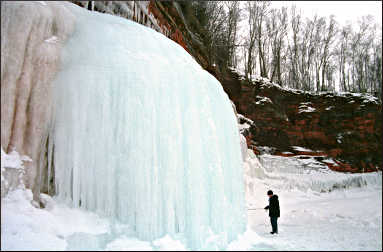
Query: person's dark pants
(274, 224)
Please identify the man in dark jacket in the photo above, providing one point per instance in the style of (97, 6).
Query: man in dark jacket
(274, 212)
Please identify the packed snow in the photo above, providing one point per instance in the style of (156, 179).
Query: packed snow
(345, 219)
(320, 209)
(12, 170)
(299, 148)
(13, 160)
(244, 122)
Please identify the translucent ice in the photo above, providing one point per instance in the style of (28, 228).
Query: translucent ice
(143, 134)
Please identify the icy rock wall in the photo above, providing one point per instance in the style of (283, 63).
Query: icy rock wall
(32, 34)
(144, 135)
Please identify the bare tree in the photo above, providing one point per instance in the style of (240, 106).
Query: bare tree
(293, 48)
(252, 15)
(261, 37)
(212, 18)
(307, 46)
(276, 25)
(303, 54)
(343, 54)
(257, 11)
(377, 68)
(233, 18)
(326, 54)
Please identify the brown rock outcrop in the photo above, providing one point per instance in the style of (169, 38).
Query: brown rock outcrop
(345, 127)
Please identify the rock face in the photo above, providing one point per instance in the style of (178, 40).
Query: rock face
(30, 50)
(346, 127)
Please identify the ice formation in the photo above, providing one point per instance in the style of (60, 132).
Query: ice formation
(144, 135)
(32, 35)
(307, 174)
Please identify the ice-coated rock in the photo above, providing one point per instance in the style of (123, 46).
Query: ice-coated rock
(29, 62)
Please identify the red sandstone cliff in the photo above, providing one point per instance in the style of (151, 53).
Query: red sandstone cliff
(346, 127)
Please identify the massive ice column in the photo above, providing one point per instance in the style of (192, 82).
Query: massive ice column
(144, 135)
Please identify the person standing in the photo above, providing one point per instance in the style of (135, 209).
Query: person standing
(274, 211)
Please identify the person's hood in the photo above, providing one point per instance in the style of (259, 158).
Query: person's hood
(274, 196)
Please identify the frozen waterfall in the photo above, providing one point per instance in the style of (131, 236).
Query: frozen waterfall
(144, 135)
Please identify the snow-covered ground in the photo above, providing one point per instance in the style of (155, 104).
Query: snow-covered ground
(320, 209)
(349, 217)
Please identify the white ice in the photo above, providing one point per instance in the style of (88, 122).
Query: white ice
(144, 135)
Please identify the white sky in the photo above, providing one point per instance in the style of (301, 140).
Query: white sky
(343, 10)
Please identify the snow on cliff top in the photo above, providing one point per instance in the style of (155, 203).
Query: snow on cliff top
(266, 83)
(306, 108)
